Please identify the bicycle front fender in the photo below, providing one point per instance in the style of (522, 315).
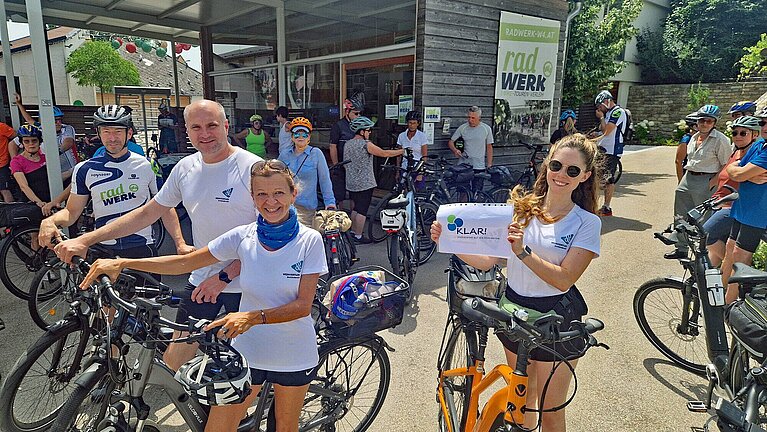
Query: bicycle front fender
(96, 368)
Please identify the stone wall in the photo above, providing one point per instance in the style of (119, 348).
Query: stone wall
(666, 104)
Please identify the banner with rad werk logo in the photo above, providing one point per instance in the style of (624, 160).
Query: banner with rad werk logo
(475, 229)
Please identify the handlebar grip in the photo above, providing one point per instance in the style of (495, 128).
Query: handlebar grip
(490, 309)
(593, 325)
(475, 315)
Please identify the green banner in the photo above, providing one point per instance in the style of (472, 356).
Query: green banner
(529, 33)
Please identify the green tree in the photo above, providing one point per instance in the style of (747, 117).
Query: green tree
(598, 37)
(753, 63)
(701, 40)
(96, 63)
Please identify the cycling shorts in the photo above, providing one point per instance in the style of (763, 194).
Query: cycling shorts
(746, 237)
(230, 302)
(361, 200)
(287, 379)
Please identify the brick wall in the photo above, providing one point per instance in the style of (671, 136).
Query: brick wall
(666, 104)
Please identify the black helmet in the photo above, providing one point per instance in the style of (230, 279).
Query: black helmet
(413, 115)
(112, 115)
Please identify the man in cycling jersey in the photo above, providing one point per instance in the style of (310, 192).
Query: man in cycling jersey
(214, 186)
(613, 122)
(117, 183)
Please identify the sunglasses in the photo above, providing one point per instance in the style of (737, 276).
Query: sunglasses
(298, 135)
(355, 113)
(762, 123)
(741, 133)
(572, 170)
(268, 165)
(705, 120)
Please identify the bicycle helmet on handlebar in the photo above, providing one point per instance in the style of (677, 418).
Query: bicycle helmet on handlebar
(413, 115)
(220, 378)
(602, 96)
(747, 122)
(361, 123)
(28, 130)
(746, 107)
(709, 111)
(112, 115)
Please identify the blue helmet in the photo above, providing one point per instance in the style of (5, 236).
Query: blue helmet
(710, 111)
(567, 114)
(28, 130)
(57, 112)
(346, 295)
(746, 107)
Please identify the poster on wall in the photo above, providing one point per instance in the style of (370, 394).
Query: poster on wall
(405, 105)
(428, 129)
(525, 78)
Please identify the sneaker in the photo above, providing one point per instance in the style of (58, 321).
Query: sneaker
(605, 211)
(360, 240)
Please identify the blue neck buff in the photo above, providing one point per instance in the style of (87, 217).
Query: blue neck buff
(275, 236)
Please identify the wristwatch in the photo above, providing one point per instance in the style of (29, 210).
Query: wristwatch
(525, 253)
(223, 277)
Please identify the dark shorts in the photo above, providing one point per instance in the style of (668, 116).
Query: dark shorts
(5, 177)
(288, 379)
(718, 226)
(338, 181)
(361, 200)
(611, 166)
(186, 307)
(746, 237)
(145, 251)
(570, 306)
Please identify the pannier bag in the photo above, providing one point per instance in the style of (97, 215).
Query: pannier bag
(365, 302)
(461, 173)
(18, 213)
(747, 319)
(501, 175)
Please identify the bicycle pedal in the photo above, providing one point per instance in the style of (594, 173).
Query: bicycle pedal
(696, 406)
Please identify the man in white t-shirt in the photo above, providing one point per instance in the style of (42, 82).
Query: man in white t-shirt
(413, 138)
(214, 185)
(478, 141)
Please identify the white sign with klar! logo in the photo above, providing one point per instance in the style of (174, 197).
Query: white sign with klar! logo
(475, 229)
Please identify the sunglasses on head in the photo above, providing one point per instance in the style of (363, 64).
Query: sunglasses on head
(572, 170)
(268, 165)
(298, 135)
(741, 133)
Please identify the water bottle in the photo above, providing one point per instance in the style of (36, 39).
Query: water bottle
(714, 287)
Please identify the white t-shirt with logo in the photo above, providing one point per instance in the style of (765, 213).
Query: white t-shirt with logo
(270, 279)
(419, 140)
(217, 198)
(552, 242)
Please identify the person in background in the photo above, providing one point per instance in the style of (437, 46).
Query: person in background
(566, 126)
(762, 116)
(613, 122)
(7, 134)
(340, 133)
(283, 134)
(167, 122)
(691, 124)
(256, 140)
(742, 108)
(478, 141)
(309, 169)
(360, 179)
(65, 136)
(414, 139)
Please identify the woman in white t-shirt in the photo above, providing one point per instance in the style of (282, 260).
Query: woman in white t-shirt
(282, 261)
(554, 236)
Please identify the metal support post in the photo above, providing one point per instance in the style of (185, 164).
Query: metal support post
(10, 76)
(175, 72)
(281, 51)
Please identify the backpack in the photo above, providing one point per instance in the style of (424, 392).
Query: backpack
(628, 131)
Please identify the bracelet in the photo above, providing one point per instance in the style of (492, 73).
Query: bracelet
(263, 317)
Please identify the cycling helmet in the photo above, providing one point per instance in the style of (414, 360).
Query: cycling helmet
(353, 104)
(28, 130)
(691, 119)
(710, 111)
(602, 96)
(762, 113)
(567, 114)
(219, 379)
(748, 122)
(413, 115)
(346, 295)
(112, 115)
(162, 107)
(746, 107)
(361, 123)
(300, 124)
(57, 112)
(256, 117)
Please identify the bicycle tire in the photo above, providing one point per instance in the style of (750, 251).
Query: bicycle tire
(482, 197)
(158, 233)
(47, 303)
(376, 233)
(457, 354)
(398, 258)
(426, 214)
(85, 409)
(739, 365)
(500, 194)
(688, 351)
(16, 391)
(19, 262)
(618, 172)
(346, 369)
(459, 194)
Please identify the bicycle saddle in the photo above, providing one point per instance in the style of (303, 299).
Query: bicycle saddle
(743, 274)
(397, 202)
(482, 175)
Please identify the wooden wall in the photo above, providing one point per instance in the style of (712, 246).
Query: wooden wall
(456, 51)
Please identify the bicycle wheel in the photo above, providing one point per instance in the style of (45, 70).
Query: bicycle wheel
(426, 215)
(350, 388)
(500, 195)
(618, 172)
(86, 407)
(459, 194)
(49, 291)
(482, 197)
(739, 364)
(43, 378)
(158, 233)
(456, 389)
(399, 258)
(376, 234)
(19, 261)
(658, 306)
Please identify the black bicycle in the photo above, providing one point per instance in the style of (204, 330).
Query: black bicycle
(505, 180)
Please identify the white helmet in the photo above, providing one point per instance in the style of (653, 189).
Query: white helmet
(221, 379)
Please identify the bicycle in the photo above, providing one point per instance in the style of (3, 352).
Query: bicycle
(20, 258)
(683, 317)
(503, 184)
(339, 247)
(460, 386)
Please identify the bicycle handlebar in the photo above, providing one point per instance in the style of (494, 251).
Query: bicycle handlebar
(339, 165)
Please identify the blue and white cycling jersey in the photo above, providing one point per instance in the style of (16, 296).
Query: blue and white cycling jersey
(613, 142)
(116, 187)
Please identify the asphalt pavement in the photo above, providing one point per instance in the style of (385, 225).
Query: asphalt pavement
(630, 387)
